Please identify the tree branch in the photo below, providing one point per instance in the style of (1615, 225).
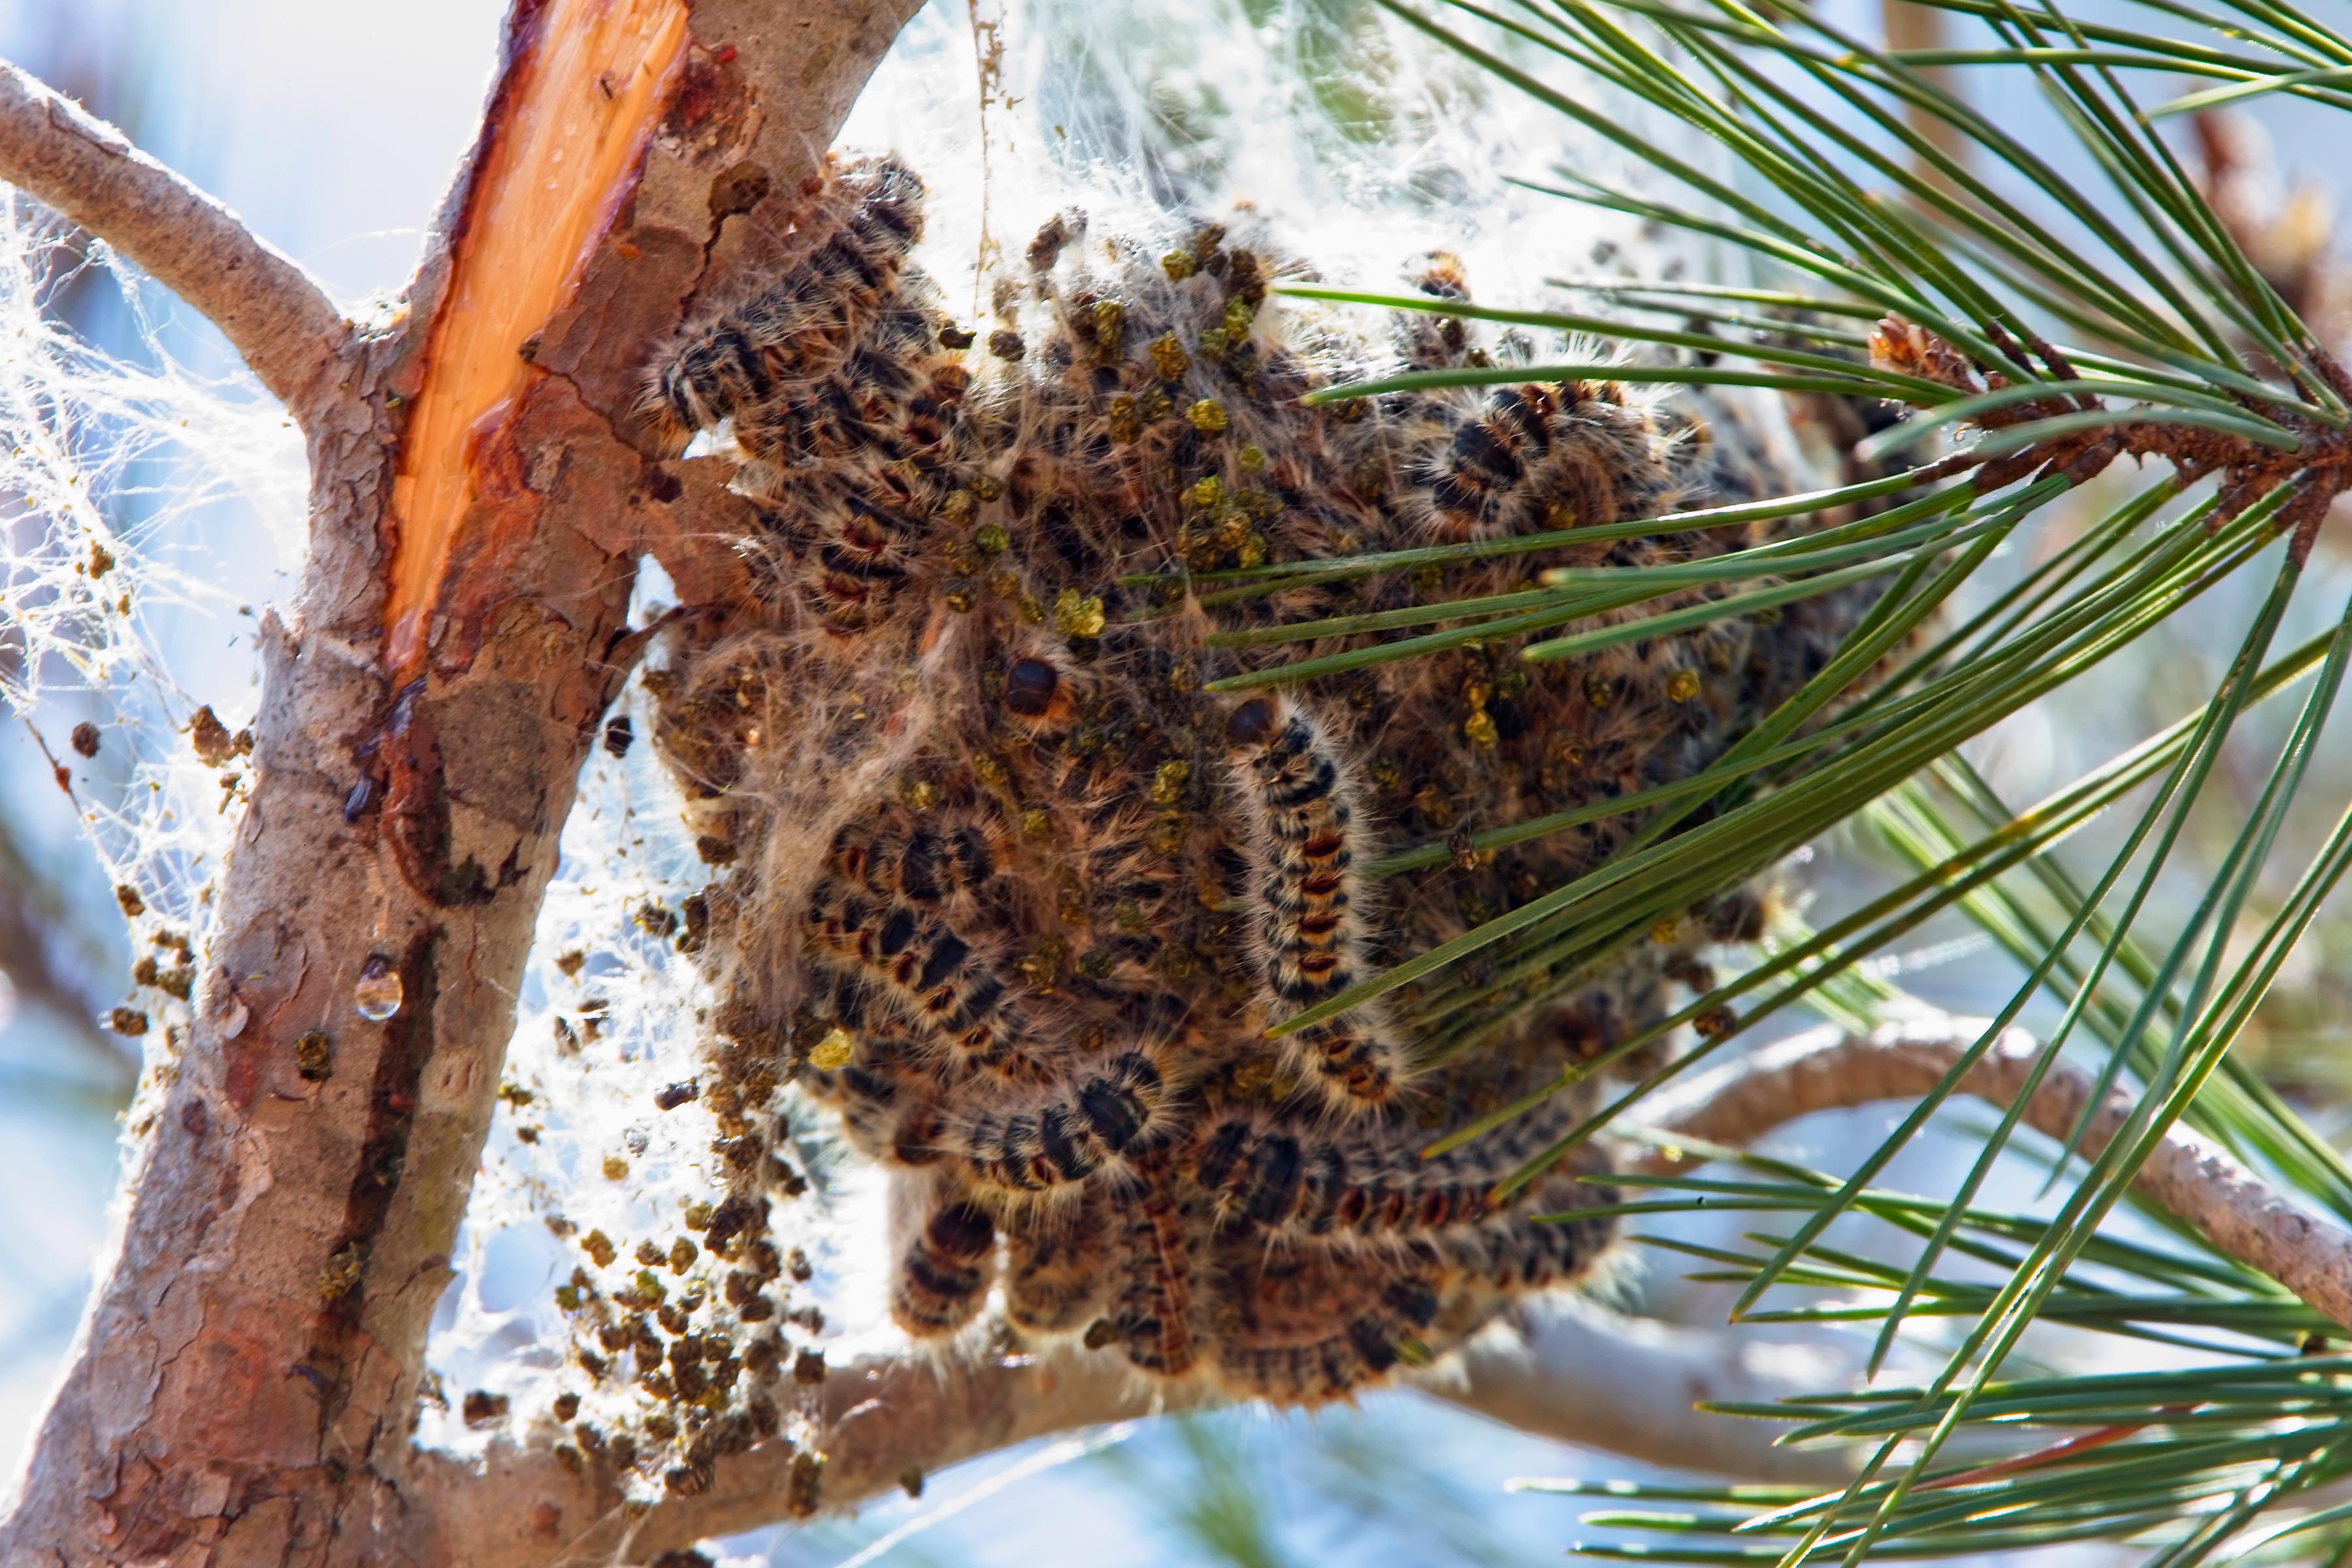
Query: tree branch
(272, 311)
(881, 1414)
(28, 909)
(2189, 1175)
(1578, 1373)
(1581, 1374)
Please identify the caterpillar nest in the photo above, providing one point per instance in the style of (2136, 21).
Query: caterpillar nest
(1017, 899)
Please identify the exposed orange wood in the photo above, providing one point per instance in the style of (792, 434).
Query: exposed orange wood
(570, 124)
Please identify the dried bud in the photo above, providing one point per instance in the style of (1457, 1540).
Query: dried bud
(213, 742)
(1908, 348)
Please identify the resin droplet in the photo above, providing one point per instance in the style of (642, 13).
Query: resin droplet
(833, 1052)
(377, 997)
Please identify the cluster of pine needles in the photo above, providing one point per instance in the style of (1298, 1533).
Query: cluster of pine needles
(2042, 306)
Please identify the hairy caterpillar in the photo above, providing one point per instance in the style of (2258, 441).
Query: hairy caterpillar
(1021, 898)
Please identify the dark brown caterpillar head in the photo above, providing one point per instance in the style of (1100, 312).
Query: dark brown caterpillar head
(1039, 693)
(1029, 687)
(1251, 724)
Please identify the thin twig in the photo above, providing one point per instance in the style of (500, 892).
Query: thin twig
(272, 311)
(2189, 1175)
(29, 906)
(1581, 1374)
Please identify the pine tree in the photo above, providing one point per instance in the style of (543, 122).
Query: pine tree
(482, 483)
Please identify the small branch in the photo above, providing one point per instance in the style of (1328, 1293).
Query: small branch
(1583, 1374)
(272, 311)
(1911, 26)
(2066, 432)
(28, 907)
(2189, 1175)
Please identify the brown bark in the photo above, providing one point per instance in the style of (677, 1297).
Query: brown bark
(243, 1389)
(289, 332)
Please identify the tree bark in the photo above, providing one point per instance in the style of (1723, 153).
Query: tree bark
(290, 334)
(244, 1386)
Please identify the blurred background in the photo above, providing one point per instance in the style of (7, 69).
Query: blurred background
(334, 130)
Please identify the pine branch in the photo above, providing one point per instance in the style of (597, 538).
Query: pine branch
(882, 1415)
(1597, 1379)
(274, 313)
(2189, 1175)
